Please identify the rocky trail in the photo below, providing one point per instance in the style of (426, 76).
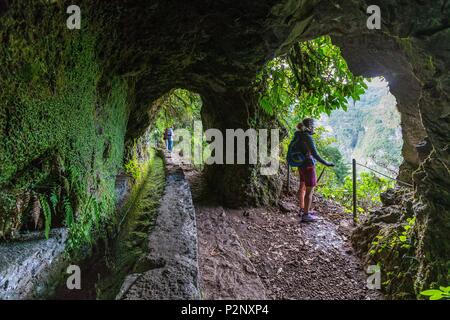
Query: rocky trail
(265, 253)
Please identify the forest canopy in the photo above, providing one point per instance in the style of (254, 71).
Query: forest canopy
(311, 79)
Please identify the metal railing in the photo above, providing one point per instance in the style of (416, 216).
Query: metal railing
(354, 182)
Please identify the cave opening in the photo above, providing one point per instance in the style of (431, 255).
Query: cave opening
(180, 111)
(369, 130)
(357, 118)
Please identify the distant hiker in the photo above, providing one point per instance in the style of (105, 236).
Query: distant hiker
(302, 153)
(168, 133)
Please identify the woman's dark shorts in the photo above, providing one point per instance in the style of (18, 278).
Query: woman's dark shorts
(308, 175)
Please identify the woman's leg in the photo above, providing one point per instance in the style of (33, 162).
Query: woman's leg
(301, 191)
(308, 198)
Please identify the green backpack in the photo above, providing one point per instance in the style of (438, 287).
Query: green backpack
(295, 157)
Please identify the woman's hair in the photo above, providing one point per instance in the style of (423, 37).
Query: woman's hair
(308, 122)
(300, 126)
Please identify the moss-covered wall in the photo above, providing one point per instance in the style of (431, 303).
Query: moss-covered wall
(61, 130)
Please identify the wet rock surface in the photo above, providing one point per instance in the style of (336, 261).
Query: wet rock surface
(394, 212)
(385, 236)
(171, 270)
(226, 270)
(29, 267)
(122, 188)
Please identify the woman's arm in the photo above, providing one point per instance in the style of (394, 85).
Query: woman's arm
(312, 147)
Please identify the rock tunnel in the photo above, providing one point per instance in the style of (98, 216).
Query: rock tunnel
(127, 54)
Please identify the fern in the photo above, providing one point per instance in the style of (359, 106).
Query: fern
(68, 211)
(47, 214)
(96, 213)
(36, 211)
(54, 200)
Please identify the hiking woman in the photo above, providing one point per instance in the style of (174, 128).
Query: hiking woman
(168, 137)
(307, 171)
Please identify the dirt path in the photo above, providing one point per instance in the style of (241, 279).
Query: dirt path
(226, 271)
(265, 253)
(301, 261)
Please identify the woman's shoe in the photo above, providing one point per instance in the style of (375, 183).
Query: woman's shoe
(309, 217)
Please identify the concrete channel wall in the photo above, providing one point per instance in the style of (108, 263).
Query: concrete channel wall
(30, 266)
(172, 267)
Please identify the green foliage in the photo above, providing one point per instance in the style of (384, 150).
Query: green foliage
(405, 238)
(311, 79)
(369, 187)
(370, 128)
(54, 199)
(139, 157)
(443, 293)
(133, 167)
(395, 240)
(179, 109)
(68, 213)
(47, 214)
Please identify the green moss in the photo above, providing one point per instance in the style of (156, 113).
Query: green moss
(394, 247)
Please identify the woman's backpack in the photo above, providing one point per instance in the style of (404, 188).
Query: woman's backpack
(295, 157)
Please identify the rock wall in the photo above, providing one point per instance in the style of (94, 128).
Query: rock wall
(62, 126)
(238, 184)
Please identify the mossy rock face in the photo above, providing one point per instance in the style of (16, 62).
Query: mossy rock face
(72, 99)
(386, 237)
(56, 121)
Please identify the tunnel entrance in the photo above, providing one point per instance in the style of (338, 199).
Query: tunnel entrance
(356, 117)
(179, 110)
